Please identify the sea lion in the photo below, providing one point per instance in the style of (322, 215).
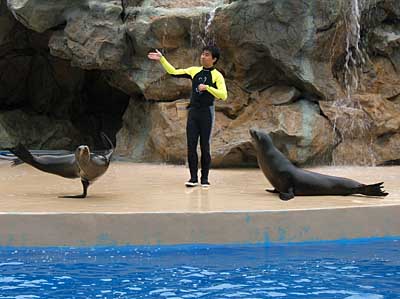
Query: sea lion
(288, 180)
(82, 164)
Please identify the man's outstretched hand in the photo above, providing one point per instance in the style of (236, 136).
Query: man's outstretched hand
(154, 55)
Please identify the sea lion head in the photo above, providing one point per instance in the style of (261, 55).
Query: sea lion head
(82, 154)
(260, 139)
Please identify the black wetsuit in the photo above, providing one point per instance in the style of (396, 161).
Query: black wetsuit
(201, 113)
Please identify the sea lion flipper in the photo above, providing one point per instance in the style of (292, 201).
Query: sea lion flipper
(287, 193)
(85, 185)
(16, 162)
(73, 196)
(108, 142)
(286, 188)
(272, 190)
(286, 196)
(372, 190)
(22, 154)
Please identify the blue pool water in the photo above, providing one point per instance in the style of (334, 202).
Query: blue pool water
(355, 270)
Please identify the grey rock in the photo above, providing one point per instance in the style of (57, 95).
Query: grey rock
(35, 131)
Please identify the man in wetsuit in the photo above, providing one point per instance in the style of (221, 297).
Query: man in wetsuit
(207, 84)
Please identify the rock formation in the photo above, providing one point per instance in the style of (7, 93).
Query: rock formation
(321, 76)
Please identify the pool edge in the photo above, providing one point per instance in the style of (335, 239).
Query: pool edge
(230, 227)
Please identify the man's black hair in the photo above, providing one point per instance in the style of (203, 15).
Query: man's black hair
(215, 53)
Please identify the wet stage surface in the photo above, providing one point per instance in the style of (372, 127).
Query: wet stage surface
(140, 188)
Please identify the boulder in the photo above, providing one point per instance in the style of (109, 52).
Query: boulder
(91, 41)
(36, 132)
(43, 15)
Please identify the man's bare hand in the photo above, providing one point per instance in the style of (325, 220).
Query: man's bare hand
(154, 55)
(202, 87)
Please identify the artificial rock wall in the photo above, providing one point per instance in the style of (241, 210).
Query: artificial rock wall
(321, 76)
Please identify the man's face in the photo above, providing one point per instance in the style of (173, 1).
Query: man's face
(206, 59)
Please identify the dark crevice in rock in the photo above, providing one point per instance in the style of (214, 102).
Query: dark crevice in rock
(385, 137)
(326, 28)
(14, 53)
(21, 18)
(152, 101)
(58, 27)
(123, 12)
(390, 163)
(394, 64)
(391, 20)
(229, 114)
(99, 109)
(393, 98)
(312, 97)
(126, 12)
(37, 86)
(130, 52)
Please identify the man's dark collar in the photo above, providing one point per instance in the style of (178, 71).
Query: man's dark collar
(208, 68)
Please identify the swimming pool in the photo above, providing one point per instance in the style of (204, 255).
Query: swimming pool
(351, 270)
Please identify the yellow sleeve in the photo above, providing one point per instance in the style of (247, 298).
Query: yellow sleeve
(220, 92)
(173, 71)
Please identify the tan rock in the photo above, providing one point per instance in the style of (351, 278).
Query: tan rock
(278, 95)
(348, 118)
(298, 129)
(238, 99)
(368, 126)
(387, 148)
(384, 114)
(354, 152)
(154, 132)
(367, 151)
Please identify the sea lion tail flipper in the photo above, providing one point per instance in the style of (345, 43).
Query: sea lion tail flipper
(108, 142)
(22, 153)
(272, 190)
(16, 162)
(372, 190)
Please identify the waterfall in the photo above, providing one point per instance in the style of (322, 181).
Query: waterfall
(354, 55)
(350, 119)
(209, 21)
(205, 35)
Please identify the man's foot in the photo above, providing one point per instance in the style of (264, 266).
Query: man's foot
(205, 183)
(192, 183)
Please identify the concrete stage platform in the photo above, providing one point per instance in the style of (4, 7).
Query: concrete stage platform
(148, 204)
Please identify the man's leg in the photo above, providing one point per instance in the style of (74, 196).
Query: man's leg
(192, 137)
(207, 121)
